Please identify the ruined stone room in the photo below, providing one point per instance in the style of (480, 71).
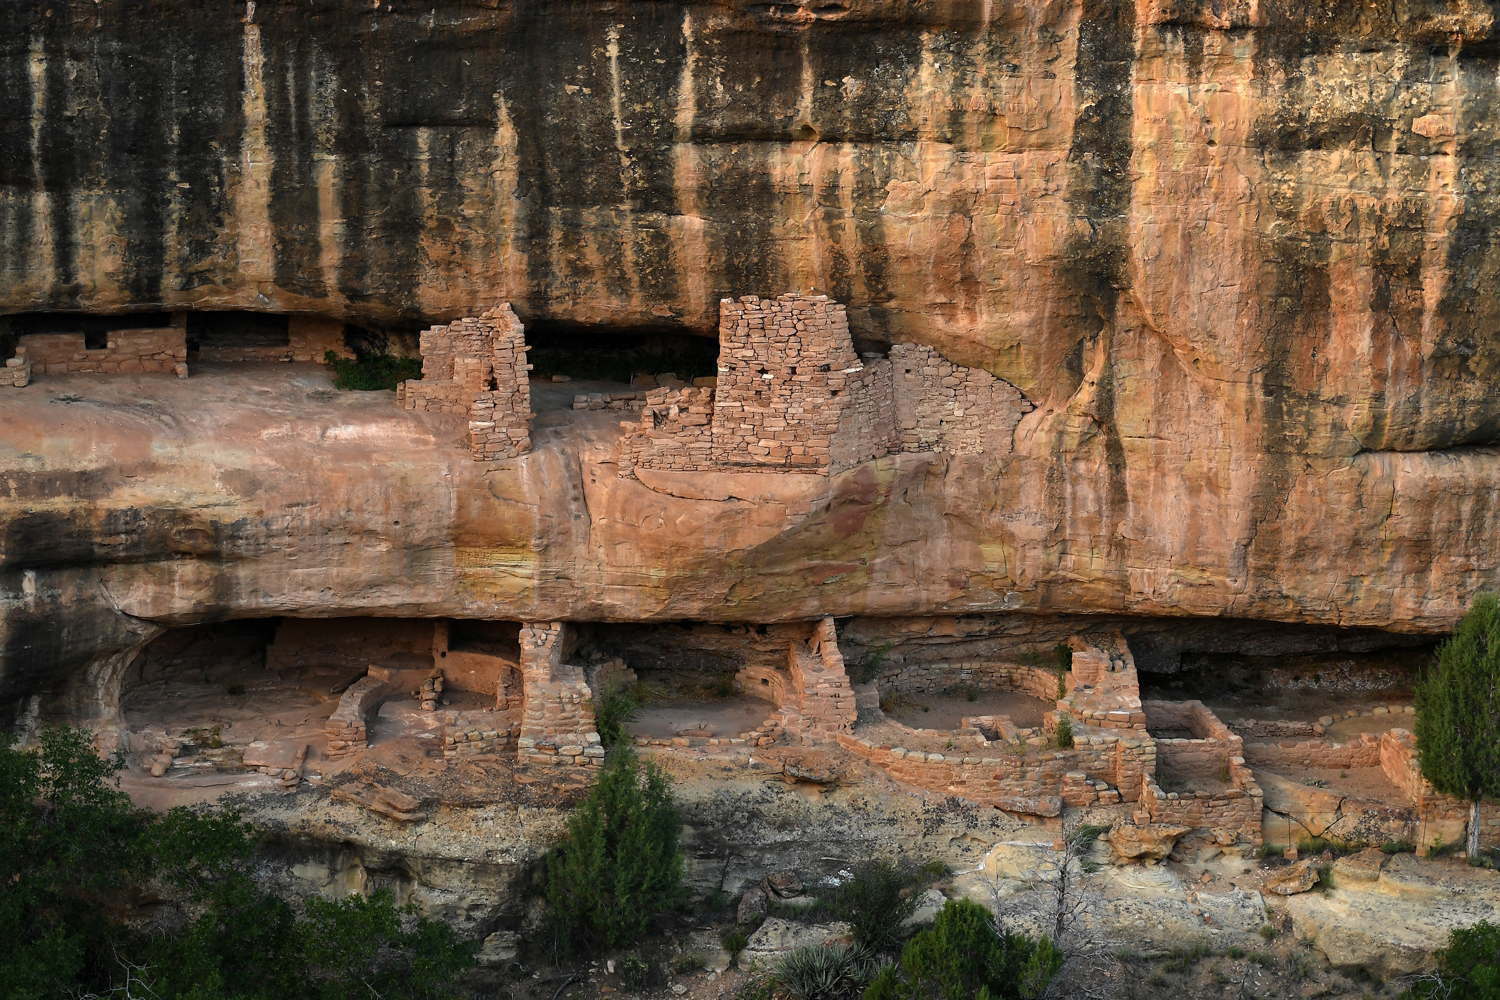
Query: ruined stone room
(814, 500)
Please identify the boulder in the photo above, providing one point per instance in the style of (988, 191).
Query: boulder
(1291, 880)
(927, 909)
(752, 906)
(1315, 808)
(1153, 840)
(1362, 867)
(776, 937)
(784, 885)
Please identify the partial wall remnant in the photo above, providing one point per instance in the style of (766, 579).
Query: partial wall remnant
(792, 395)
(1442, 819)
(477, 367)
(162, 349)
(305, 643)
(558, 722)
(820, 703)
(346, 727)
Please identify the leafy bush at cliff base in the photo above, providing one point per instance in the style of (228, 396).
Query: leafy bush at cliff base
(372, 371)
(621, 864)
(74, 852)
(963, 957)
(1468, 969)
(1458, 712)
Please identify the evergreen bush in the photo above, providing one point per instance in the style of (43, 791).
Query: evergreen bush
(614, 707)
(1064, 654)
(1065, 732)
(372, 371)
(962, 956)
(620, 866)
(1468, 969)
(1458, 712)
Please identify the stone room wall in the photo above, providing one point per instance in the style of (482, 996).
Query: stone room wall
(820, 695)
(162, 349)
(301, 643)
(943, 407)
(477, 366)
(557, 726)
(309, 338)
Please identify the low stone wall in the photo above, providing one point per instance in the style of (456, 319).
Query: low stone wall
(160, 349)
(303, 643)
(1234, 809)
(674, 432)
(929, 678)
(1206, 754)
(1441, 818)
(469, 734)
(1028, 783)
(1363, 752)
(634, 401)
(346, 727)
(763, 682)
(16, 374)
(1275, 729)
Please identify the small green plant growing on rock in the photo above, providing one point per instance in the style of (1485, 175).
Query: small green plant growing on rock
(1064, 654)
(621, 864)
(1458, 712)
(1064, 732)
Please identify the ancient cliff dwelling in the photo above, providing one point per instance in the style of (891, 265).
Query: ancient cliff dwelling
(1036, 462)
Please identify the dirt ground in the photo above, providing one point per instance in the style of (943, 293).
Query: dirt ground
(726, 718)
(945, 711)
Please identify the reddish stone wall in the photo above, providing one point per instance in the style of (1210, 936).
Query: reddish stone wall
(1363, 752)
(867, 424)
(404, 644)
(309, 338)
(477, 366)
(674, 432)
(1442, 818)
(1234, 809)
(162, 349)
(919, 678)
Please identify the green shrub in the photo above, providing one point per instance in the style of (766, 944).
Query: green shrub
(72, 851)
(620, 865)
(614, 707)
(823, 972)
(373, 371)
(1064, 732)
(1468, 969)
(876, 901)
(1262, 958)
(1267, 931)
(636, 971)
(963, 957)
(734, 941)
(1458, 712)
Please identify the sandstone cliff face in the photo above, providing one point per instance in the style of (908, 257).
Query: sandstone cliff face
(1240, 257)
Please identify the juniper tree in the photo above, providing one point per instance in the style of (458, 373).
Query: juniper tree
(1458, 713)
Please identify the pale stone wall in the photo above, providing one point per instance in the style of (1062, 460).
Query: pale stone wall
(161, 349)
(477, 366)
(1364, 751)
(557, 725)
(946, 408)
(346, 727)
(1237, 810)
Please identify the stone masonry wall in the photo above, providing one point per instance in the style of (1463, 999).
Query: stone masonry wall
(557, 724)
(1031, 783)
(1234, 809)
(819, 691)
(477, 366)
(674, 432)
(1206, 753)
(946, 408)
(309, 338)
(783, 364)
(867, 426)
(346, 727)
(924, 678)
(1364, 751)
(1442, 817)
(162, 349)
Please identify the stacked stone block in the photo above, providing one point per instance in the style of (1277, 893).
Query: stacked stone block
(634, 401)
(477, 366)
(16, 374)
(792, 395)
(557, 725)
(346, 727)
(947, 408)
(162, 349)
(1235, 809)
